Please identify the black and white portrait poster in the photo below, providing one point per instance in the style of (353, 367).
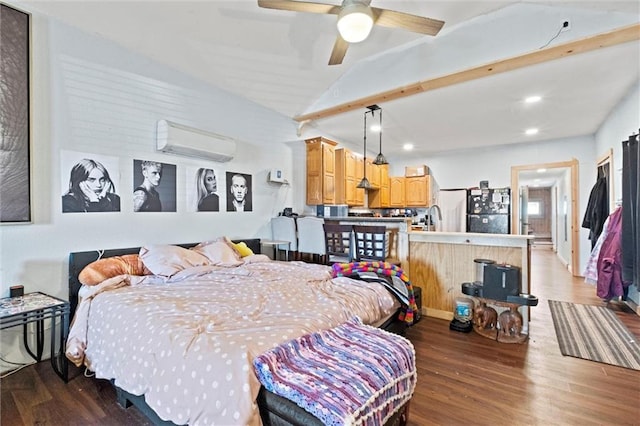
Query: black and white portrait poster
(203, 189)
(154, 186)
(15, 187)
(89, 182)
(238, 192)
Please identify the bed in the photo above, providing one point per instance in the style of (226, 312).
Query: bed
(179, 344)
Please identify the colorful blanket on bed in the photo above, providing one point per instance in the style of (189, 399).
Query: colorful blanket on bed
(382, 268)
(353, 374)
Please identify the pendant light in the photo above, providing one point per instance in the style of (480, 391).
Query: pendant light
(380, 158)
(364, 183)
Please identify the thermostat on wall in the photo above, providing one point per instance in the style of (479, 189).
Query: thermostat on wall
(276, 175)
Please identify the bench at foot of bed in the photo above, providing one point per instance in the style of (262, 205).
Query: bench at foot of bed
(278, 411)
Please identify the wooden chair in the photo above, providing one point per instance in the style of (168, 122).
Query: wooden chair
(372, 243)
(337, 240)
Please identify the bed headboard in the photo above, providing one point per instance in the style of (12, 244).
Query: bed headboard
(78, 260)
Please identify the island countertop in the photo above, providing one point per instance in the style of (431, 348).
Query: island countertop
(472, 238)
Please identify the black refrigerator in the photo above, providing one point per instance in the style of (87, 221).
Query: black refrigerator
(489, 210)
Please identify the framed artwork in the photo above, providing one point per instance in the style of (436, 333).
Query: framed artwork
(15, 191)
(203, 194)
(89, 183)
(154, 186)
(239, 196)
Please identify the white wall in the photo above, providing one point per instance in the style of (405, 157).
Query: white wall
(623, 121)
(90, 95)
(463, 169)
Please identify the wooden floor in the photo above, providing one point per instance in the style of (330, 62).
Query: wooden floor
(463, 379)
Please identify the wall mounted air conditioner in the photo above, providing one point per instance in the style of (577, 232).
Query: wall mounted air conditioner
(178, 139)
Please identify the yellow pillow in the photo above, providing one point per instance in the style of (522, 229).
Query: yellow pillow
(243, 249)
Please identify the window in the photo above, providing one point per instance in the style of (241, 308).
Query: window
(534, 208)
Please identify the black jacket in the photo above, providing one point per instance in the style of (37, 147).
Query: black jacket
(597, 210)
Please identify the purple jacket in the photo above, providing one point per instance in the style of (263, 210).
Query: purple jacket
(609, 261)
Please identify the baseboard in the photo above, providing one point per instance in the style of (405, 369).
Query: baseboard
(437, 313)
(634, 307)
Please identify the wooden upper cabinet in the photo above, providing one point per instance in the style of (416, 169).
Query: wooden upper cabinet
(346, 177)
(417, 191)
(359, 175)
(396, 191)
(373, 173)
(321, 168)
(380, 198)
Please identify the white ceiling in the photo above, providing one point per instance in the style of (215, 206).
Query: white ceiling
(279, 60)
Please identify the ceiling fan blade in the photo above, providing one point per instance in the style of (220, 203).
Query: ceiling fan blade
(338, 52)
(414, 23)
(300, 6)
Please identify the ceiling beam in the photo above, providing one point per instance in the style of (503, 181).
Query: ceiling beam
(587, 44)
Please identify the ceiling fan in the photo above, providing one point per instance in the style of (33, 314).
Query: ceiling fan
(355, 20)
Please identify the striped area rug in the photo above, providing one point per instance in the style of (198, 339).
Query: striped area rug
(594, 333)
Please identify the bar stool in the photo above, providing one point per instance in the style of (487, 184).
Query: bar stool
(338, 243)
(372, 243)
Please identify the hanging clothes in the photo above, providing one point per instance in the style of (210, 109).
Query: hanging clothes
(597, 210)
(610, 284)
(591, 271)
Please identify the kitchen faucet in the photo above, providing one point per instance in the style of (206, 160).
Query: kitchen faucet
(430, 215)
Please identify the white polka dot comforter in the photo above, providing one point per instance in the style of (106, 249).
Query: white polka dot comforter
(188, 344)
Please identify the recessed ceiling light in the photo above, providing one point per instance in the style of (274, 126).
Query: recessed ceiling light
(533, 99)
(541, 170)
(532, 131)
(407, 146)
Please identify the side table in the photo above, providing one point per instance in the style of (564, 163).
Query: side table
(35, 308)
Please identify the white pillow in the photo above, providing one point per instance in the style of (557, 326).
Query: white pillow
(218, 253)
(166, 260)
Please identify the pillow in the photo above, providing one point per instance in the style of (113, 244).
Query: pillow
(166, 260)
(109, 267)
(242, 249)
(218, 252)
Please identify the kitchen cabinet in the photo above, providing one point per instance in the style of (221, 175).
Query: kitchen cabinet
(396, 191)
(373, 173)
(359, 175)
(421, 191)
(380, 198)
(347, 178)
(321, 171)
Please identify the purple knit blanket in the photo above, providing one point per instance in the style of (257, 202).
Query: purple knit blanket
(353, 374)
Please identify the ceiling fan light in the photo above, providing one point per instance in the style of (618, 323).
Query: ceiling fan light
(355, 22)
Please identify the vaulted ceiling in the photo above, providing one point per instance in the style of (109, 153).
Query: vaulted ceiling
(279, 59)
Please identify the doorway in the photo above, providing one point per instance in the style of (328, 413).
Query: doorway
(566, 211)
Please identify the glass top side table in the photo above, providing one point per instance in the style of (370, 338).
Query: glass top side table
(35, 308)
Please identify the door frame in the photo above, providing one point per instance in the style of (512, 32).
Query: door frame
(575, 229)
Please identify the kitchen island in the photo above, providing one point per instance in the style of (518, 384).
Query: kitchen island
(440, 262)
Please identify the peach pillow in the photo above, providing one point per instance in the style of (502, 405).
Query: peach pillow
(109, 267)
(166, 260)
(218, 253)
